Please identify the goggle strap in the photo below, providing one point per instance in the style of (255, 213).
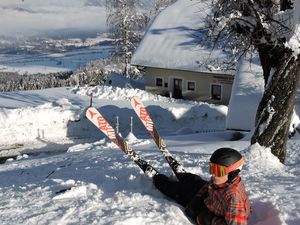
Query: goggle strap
(234, 166)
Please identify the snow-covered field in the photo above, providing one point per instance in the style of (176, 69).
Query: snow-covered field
(58, 149)
(68, 60)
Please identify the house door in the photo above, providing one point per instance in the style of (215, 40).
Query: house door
(177, 91)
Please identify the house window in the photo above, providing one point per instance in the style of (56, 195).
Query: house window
(216, 91)
(159, 82)
(166, 85)
(191, 85)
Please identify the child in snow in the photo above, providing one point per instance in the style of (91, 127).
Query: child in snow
(220, 201)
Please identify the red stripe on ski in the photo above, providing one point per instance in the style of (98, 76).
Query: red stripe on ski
(142, 113)
(145, 118)
(99, 121)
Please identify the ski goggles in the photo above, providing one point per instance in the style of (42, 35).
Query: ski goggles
(220, 170)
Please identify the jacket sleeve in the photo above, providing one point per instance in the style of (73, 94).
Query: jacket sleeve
(235, 214)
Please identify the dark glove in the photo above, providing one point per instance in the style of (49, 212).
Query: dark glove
(198, 211)
(205, 217)
(194, 207)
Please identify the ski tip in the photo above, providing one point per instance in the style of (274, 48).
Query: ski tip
(136, 101)
(90, 112)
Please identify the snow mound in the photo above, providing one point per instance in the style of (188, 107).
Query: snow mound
(117, 93)
(260, 160)
(80, 190)
(47, 122)
(99, 145)
(264, 213)
(80, 147)
(118, 80)
(118, 87)
(74, 192)
(134, 141)
(131, 138)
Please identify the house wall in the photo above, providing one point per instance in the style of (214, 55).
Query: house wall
(203, 84)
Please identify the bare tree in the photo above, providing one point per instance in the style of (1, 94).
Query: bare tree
(267, 26)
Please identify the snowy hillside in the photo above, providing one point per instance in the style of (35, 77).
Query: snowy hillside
(71, 174)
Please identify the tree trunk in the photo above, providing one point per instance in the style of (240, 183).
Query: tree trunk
(276, 107)
(126, 42)
(286, 4)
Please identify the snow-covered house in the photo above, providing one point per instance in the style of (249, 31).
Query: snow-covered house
(174, 62)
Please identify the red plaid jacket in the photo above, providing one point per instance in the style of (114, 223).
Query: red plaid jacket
(229, 204)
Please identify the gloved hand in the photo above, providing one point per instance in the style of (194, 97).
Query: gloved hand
(204, 217)
(198, 211)
(194, 207)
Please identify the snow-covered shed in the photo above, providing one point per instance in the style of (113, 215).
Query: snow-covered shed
(247, 91)
(174, 62)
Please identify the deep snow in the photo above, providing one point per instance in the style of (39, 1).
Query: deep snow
(102, 185)
(58, 149)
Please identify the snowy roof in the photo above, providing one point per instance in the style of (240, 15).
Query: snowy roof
(172, 40)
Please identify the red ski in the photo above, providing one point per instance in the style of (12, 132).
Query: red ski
(143, 114)
(99, 121)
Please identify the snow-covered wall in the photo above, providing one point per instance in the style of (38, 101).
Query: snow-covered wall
(247, 90)
(29, 124)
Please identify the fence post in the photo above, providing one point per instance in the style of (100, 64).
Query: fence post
(91, 99)
(117, 124)
(131, 124)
